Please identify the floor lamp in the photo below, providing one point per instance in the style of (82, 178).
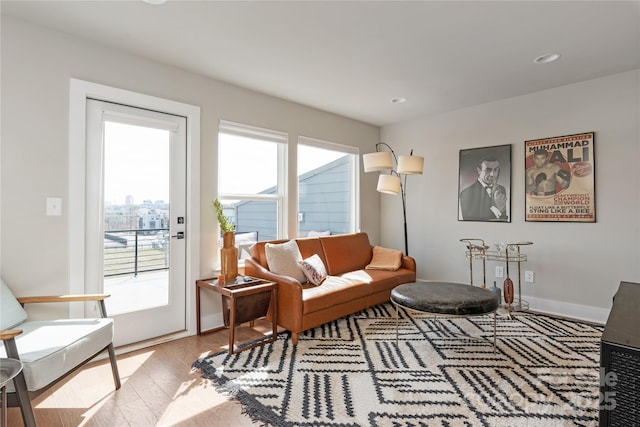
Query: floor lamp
(392, 183)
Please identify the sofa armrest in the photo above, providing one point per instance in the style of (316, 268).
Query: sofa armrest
(289, 294)
(254, 269)
(408, 262)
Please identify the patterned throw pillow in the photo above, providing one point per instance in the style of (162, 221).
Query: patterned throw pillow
(283, 259)
(314, 269)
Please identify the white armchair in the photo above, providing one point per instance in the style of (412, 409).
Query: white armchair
(49, 350)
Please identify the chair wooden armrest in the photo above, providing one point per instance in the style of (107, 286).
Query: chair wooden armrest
(62, 298)
(7, 334)
(68, 298)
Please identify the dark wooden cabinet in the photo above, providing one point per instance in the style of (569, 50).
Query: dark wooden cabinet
(620, 360)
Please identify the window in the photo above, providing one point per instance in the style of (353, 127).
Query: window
(251, 182)
(327, 188)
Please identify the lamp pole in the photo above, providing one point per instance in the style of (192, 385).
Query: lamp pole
(404, 214)
(402, 193)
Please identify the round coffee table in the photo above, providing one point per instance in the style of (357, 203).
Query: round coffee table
(446, 299)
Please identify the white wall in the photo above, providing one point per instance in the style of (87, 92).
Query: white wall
(36, 67)
(578, 266)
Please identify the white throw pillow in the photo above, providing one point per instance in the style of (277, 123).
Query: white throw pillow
(283, 259)
(314, 269)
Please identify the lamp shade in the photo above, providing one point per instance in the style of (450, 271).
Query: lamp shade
(389, 184)
(410, 165)
(378, 161)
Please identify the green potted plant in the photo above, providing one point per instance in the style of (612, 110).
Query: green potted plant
(228, 252)
(225, 225)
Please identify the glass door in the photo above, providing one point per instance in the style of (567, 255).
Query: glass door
(137, 161)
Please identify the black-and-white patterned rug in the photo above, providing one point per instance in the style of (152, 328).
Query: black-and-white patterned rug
(545, 372)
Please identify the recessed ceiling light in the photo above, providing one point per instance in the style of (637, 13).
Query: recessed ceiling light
(398, 100)
(546, 58)
(155, 2)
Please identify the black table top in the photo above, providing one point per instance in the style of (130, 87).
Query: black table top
(445, 298)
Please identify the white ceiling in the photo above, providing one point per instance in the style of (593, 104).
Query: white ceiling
(351, 58)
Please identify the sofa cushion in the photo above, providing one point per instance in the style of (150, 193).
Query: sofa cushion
(384, 280)
(283, 259)
(334, 290)
(313, 268)
(311, 246)
(11, 312)
(385, 259)
(346, 252)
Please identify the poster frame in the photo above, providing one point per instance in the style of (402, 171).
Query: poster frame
(468, 173)
(574, 157)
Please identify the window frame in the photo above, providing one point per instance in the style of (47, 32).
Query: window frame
(267, 135)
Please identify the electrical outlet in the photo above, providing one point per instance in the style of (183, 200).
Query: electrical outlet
(529, 276)
(499, 271)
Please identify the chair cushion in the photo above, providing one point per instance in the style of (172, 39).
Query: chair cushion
(11, 312)
(49, 349)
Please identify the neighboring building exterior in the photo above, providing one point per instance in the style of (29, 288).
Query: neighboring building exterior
(324, 204)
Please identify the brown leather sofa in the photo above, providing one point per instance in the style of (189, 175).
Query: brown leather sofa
(348, 289)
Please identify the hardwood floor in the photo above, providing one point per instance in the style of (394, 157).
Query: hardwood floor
(158, 389)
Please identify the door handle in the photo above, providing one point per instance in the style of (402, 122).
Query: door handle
(179, 235)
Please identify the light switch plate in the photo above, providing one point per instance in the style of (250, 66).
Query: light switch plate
(54, 206)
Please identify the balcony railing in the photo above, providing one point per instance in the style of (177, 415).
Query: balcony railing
(135, 251)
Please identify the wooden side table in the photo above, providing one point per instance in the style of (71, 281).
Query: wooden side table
(245, 300)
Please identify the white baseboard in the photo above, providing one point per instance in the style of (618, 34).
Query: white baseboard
(566, 309)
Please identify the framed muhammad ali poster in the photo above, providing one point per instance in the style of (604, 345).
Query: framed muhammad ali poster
(560, 179)
(484, 184)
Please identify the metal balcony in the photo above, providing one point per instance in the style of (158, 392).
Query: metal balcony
(135, 251)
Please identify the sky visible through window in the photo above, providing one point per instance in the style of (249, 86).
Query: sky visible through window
(136, 163)
(249, 166)
(310, 158)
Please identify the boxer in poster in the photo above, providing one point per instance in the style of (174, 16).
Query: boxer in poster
(544, 178)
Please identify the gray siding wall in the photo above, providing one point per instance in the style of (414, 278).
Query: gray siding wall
(258, 216)
(324, 198)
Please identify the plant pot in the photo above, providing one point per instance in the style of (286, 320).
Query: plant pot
(229, 256)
